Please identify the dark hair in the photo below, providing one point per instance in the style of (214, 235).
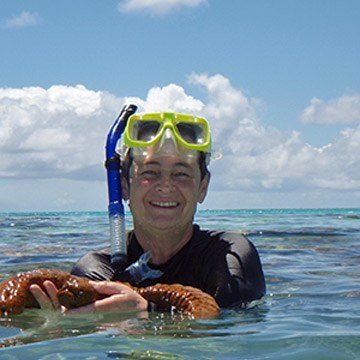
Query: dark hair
(127, 162)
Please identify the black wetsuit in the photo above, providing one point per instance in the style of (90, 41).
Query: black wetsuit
(223, 264)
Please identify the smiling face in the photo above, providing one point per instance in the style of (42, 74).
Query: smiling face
(163, 192)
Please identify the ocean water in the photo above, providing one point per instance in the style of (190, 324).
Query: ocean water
(311, 260)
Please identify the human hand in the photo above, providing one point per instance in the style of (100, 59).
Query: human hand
(118, 298)
(46, 296)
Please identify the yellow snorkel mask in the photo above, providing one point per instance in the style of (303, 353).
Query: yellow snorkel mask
(167, 132)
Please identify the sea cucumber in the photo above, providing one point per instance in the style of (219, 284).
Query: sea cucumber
(74, 292)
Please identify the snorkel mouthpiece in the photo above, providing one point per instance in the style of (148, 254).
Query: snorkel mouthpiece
(140, 269)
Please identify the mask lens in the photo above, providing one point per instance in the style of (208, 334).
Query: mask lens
(191, 133)
(145, 130)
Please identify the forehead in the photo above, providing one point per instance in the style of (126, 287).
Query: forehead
(168, 162)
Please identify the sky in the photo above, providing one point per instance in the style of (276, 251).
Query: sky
(278, 81)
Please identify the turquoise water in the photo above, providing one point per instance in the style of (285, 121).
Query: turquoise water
(311, 260)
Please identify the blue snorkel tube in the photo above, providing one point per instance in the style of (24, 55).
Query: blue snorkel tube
(139, 270)
(113, 167)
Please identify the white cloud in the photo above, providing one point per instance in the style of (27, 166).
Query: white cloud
(157, 6)
(61, 131)
(53, 132)
(24, 19)
(227, 106)
(169, 98)
(345, 109)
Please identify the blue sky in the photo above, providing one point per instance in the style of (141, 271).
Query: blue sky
(278, 80)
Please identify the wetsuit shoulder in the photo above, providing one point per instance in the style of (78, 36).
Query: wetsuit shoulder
(94, 265)
(233, 267)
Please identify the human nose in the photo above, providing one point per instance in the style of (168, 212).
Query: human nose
(165, 184)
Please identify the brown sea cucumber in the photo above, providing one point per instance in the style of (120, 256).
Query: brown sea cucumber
(74, 292)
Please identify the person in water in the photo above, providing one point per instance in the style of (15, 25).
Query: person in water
(165, 174)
